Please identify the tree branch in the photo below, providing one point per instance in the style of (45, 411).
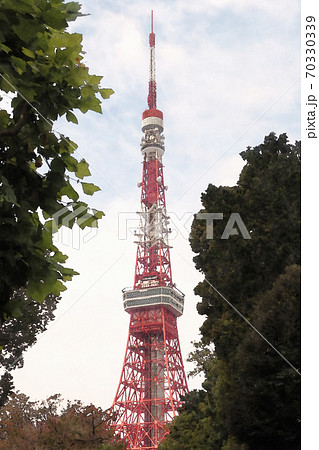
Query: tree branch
(12, 131)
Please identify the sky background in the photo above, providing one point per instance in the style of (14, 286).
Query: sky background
(228, 74)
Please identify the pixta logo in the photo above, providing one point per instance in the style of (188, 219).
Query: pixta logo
(66, 228)
(230, 230)
(179, 225)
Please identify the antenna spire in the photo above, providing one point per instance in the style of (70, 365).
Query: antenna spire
(151, 99)
(152, 21)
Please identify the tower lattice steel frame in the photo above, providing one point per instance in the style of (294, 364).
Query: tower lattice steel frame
(153, 379)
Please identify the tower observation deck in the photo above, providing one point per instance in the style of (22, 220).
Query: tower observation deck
(153, 379)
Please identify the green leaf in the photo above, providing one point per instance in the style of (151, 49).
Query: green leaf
(58, 166)
(94, 79)
(35, 67)
(78, 76)
(51, 226)
(92, 104)
(28, 92)
(7, 191)
(5, 48)
(4, 118)
(28, 52)
(88, 100)
(7, 83)
(46, 240)
(106, 93)
(83, 169)
(67, 274)
(70, 192)
(46, 215)
(54, 18)
(70, 162)
(89, 188)
(98, 214)
(24, 6)
(87, 220)
(80, 209)
(58, 257)
(57, 288)
(72, 42)
(70, 117)
(25, 33)
(72, 10)
(37, 291)
(18, 64)
(12, 161)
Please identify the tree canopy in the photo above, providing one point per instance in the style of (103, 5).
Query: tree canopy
(20, 333)
(251, 395)
(52, 424)
(42, 72)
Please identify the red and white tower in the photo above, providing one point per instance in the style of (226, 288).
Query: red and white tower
(153, 379)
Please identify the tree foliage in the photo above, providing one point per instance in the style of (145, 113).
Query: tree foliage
(251, 395)
(50, 425)
(20, 333)
(42, 73)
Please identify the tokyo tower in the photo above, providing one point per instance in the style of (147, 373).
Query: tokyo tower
(153, 379)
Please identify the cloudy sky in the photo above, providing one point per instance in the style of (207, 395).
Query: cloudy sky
(228, 73)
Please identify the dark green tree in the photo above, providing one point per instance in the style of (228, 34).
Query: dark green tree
(191, 430)
(20, 333)
(267, 197)
(268, 413)
(42, 73)
(251, 395)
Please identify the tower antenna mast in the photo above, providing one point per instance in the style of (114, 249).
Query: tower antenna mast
(151, 100)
